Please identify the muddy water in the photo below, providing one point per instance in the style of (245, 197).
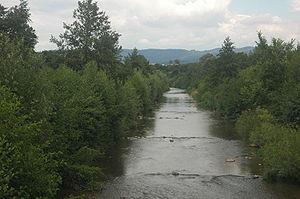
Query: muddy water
(187, 153)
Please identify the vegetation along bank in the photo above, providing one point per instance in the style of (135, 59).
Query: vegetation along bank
(259, 91)
(60, 111)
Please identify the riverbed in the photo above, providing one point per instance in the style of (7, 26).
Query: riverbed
(187, 152)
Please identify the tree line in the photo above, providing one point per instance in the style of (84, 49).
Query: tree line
(61, 110)
(259, 91)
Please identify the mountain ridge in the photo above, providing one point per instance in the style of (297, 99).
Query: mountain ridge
(164, 56)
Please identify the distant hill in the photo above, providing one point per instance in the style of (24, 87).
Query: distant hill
(164, 56)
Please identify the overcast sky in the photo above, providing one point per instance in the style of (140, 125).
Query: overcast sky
(188, 24)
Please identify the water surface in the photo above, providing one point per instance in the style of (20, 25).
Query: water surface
(185, 154)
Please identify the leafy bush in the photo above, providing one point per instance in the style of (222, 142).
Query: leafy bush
(141, 87)
(25, 170)
(281, 154)
(279, 145)
(251, 120)
(128, 106)
(79, 177)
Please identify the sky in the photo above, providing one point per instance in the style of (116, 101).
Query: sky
(180, 24)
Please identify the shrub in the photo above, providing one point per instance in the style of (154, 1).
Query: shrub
(281, 154)
(79, 177)
(279, 145)
(250, 120)
(25, 170)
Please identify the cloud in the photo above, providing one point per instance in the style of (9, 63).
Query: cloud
(47, 18)
(243, 28)
(168, 23)
(296, 5)
(197, 24)
(190, 24)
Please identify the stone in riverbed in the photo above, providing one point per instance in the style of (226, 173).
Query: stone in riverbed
(248, 157)
(174, 173)
(253, 145)
(230, 160)
(255, 176)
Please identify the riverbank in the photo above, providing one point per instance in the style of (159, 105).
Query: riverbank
(260, 92)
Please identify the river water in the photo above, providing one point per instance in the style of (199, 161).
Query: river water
(187, 153)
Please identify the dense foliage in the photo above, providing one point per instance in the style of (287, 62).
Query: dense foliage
(14, 22)
(89, 37)
(61, 110)
(260, 91)
(57, 121)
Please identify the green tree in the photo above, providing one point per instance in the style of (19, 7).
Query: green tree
(226, 65)
(90, 36)
(135, 61)
(15, 23)
(25, 170)
(143, 92)
(227, 50)
(19, 71)
(128, 106)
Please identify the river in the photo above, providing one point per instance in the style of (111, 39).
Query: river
(187, 153)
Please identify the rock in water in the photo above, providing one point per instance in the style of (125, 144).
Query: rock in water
(253, 145)
(230, 160)
(174, 173)
(255, 176)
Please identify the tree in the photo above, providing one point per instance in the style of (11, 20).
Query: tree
(128, 106)
(227, 68)
(135, 61)
(19, 71)
(262, 41)
(142, 90)
(3, 12)
(227, 49)
(14, 23)
(25, 170)
(177, 62)
(90, 35)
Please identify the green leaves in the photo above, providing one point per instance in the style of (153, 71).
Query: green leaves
(60, 111)
(25, 170)
(14, 23)
(278, 144)
(90, 36)
(56, 123)
(259, 91)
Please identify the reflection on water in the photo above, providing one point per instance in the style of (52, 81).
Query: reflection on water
(113, 162)
(223, 129)
(184, 153)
